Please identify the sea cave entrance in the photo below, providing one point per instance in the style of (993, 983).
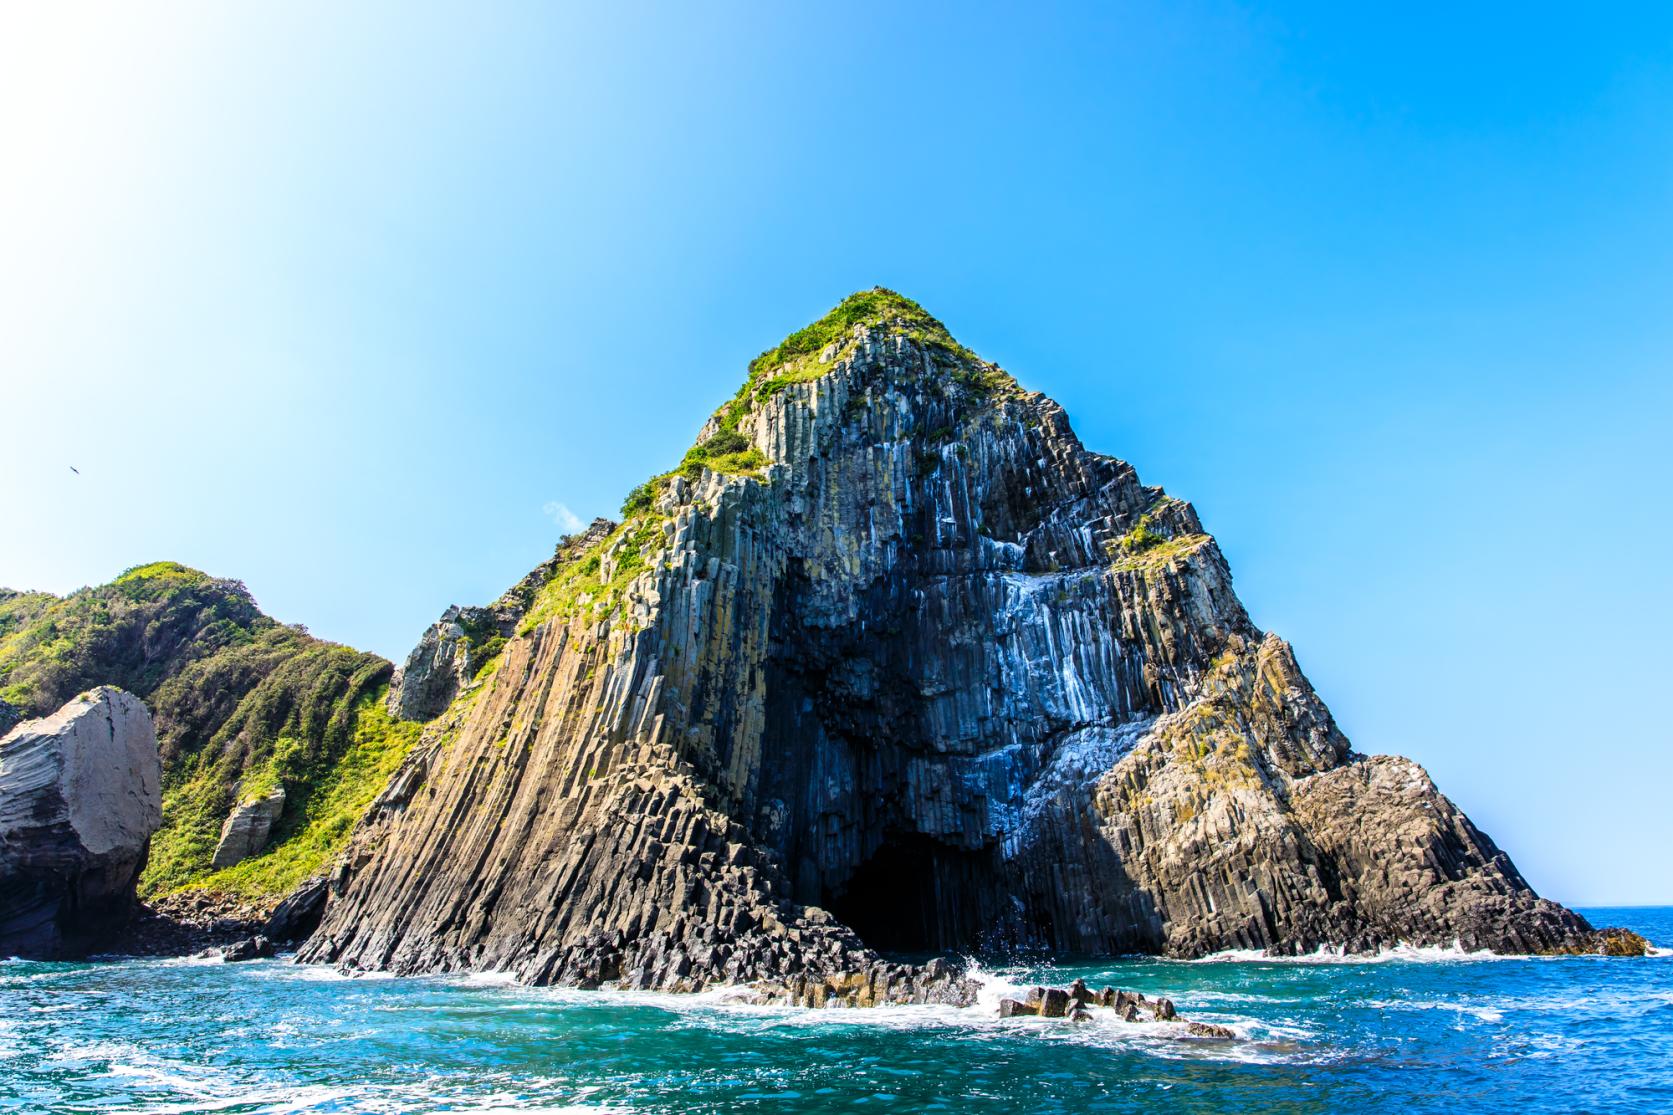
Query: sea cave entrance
(918, 895)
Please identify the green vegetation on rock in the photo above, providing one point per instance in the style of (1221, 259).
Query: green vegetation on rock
(874, 307)
(1146, 547)
(797, 359)
(726, 452)
(334, 793)
(594, 580)
(133, 632)
(483, 641)
(288, 730)
(1155, 555)
(241, 703)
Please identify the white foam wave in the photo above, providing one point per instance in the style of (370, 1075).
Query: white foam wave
(1333, 954)
(312, 973)
(370, 1100)
(198, 1087)
(732, 1008)
(1481, 1011)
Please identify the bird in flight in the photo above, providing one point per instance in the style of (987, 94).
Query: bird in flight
(75, 470)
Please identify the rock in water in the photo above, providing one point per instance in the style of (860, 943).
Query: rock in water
(893, 662)
(245, 832)
(1055, 1003)
(80, 796)
(251, 948)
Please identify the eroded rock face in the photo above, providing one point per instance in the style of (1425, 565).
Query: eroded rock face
(247, 827)
(80, 796)
(435, 671)
(932, 676)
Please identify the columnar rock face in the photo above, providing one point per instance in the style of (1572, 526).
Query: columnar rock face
(893, 662)
(80, 796)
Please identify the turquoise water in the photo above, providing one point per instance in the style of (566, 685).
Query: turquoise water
(1402, 1033)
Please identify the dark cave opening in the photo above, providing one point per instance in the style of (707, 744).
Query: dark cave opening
(918, 895)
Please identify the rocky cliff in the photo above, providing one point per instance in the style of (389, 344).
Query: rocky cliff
(80, 796)
(892, 662)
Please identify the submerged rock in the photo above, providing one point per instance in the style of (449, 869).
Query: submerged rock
(1209, 1030)
(80, 796)
(892, 662)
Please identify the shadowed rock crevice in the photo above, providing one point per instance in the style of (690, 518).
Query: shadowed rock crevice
(917, 895)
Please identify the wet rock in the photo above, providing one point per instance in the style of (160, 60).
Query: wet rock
(1124, 999)
(1209, 1030)
(251, 948)
(80, 796)
(1055, 1003)
(1074, 1003)
(245, 831)
(189, 922)
(1611, 941)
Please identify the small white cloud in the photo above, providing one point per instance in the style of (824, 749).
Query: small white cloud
(568, 521)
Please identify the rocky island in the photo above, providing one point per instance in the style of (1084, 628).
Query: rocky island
(889, 665)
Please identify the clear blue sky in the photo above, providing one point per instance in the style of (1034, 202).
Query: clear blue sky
(341, 300)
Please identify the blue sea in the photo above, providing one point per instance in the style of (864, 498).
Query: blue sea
(1412, 1031)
